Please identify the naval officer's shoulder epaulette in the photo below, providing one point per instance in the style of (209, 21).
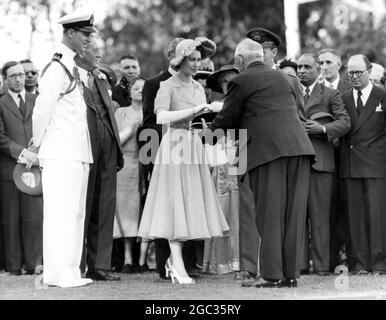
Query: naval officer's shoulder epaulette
(56, 58)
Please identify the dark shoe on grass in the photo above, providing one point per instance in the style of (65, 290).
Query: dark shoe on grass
(245, 275)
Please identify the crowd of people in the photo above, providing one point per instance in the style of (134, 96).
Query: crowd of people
(268, 170)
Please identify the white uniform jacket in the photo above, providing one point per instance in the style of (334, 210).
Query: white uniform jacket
(60, 125)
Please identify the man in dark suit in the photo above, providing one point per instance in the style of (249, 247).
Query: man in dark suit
(149, 92)
(22, 215)
(107, 155)
(363, 167)
(331, 64)
(249, 235)
(129, 68)
(262, 101)
(320, 99)
(340, 250)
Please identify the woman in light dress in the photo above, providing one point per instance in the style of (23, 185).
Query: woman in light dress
(127, 215)
(182, 203)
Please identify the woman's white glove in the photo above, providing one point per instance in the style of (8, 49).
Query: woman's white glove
(199, 108)
(216, 106)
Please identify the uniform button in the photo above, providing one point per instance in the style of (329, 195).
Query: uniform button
(351, 147)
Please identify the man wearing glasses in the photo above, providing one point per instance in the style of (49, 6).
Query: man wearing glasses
(31, 76)
(22, 214)
(363, 167)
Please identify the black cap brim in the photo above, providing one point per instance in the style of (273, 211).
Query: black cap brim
(86, 29)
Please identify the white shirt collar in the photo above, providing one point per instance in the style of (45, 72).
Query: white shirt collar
(15, 96)
(365, 93)
(334, 83)
(83, 75)
(172, 71)
(311, 87)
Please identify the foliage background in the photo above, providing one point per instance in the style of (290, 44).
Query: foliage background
(145, 27)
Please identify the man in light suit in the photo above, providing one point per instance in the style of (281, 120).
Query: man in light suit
(262, 101)
(22, 214)
(107, 154)
(363, 167)
(61, 134)
(319, 98)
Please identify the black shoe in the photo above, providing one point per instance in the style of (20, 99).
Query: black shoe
(15, 273)
(144, 268)
(304, 272)
(322, 273)
(245, 275)
(128, 268)
(261, 283)
(29, 272)
(100, 275)
(290, 283)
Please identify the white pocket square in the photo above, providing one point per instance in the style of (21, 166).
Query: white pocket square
(379, 108)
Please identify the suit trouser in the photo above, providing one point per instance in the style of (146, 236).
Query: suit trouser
(101, 200)
(64, 194)
(280, 190)
(2, 253)
(318, 218)
(366, 208)
(249, 235)
(339, 229)
(22, 218)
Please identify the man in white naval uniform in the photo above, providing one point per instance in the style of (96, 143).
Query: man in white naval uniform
(61, 134)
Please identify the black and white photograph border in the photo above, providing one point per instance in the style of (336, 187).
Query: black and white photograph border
(29, 29)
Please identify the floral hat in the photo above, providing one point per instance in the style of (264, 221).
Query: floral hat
(187, 46)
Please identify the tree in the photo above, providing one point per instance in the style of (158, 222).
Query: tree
(145, 28)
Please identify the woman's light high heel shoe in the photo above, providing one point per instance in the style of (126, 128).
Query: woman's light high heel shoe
(168, 267)
(181, 280)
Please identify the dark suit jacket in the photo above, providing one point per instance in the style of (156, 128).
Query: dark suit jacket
(298, 97)
(15, 132)
(343, 86)
(262, 100)
(149, 92)
(363, 150)
(101, 85)
(323, 99)
(120, 95)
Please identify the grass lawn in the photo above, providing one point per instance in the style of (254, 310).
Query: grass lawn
(209, 287)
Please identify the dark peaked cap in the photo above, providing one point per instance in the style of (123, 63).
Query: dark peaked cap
(262, 35)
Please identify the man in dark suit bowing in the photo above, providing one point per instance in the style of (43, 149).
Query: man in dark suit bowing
(320, 99)
(22, 214)
(149, 93)
(363, 167)
(262, 101)
(107, 155)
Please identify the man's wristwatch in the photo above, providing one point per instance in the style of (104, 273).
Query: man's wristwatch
(324, 129)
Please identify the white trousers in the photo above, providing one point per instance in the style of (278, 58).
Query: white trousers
(64, 196)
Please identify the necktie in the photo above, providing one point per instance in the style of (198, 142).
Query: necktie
(76, 74)
(307, 95)
(359, 103)
(90, 80)
(22, 106)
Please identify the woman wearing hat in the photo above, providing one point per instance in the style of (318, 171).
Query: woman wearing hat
(182, 203)
(127, 214)
(221, 255)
